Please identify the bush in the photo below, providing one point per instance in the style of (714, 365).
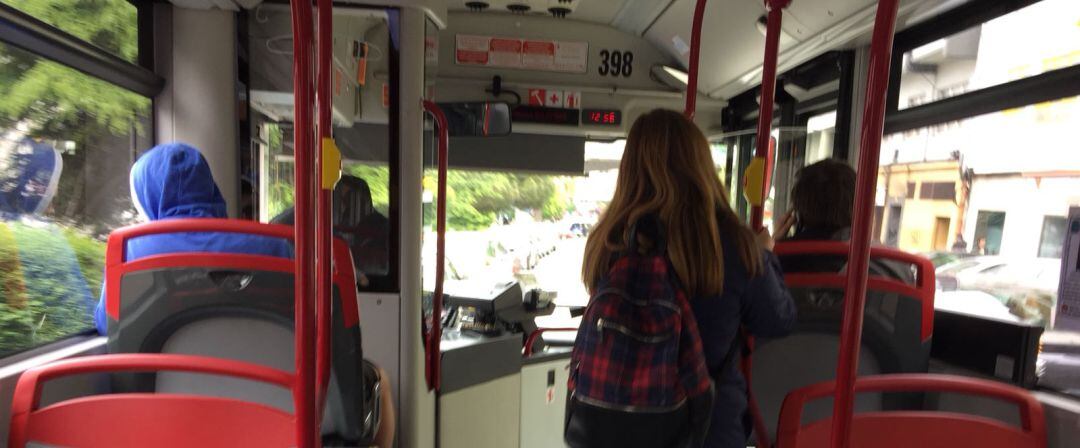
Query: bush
(50, 277)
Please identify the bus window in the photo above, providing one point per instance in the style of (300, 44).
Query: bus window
(995, 189)
(524, 227)
(66, 142)
(993, 53)
(111, 25)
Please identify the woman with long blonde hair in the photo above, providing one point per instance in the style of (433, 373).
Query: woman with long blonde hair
(667, 175)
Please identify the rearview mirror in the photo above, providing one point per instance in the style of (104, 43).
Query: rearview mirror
(477, 119)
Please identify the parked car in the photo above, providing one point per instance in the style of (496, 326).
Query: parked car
(573, 229)
(1027, 286)
(974, 303)
(942, 258)
(1003, 277)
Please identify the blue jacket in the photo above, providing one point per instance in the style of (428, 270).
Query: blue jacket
(765, 307)
(173, 181)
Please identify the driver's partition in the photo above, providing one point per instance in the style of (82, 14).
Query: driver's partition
(239, 307)
(897, 326)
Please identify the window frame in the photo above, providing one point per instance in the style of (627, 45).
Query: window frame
(22, 30)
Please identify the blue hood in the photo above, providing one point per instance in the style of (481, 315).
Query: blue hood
(173, 180)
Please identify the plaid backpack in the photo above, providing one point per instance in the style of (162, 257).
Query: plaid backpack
(638, 376)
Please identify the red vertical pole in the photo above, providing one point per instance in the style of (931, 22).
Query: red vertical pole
(324, 199)
(304, 388)
(862, 220)
(768, 92)
(434, 355)
(695, 56)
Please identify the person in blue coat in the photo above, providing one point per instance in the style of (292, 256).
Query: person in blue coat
(173, 181)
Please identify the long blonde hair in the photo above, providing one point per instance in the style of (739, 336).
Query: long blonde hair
(667, 171)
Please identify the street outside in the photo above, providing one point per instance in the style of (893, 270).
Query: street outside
(561, 272)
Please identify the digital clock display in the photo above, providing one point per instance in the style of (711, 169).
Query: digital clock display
(604, 117)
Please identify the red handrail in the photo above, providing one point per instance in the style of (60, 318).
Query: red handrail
(304, 390)
(765, 113)
(765, 145)
(434, 355)
(862, 220)
(531, 340)
(695, 56)
(324, 198)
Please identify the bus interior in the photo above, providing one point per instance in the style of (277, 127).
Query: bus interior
(479, 142)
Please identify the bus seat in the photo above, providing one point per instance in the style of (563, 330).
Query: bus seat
(148, 419)
(897, 331)
(921, 428)
(233, 306)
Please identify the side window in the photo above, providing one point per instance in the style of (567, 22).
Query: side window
(976, 194)
(67, 140)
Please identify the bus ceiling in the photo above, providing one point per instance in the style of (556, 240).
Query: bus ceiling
(624, 56)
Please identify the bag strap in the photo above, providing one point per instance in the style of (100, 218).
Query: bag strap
(743, 346)
(737, 347)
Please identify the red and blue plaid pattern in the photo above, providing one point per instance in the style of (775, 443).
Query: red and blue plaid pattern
(638, 348)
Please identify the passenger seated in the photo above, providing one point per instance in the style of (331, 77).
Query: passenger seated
(822, 201)
(361, 226)
(173, 181)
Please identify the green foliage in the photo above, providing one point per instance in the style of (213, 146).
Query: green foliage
(45, 296)
(91, 255)
(59, 102)
(378, 180)
(476, 198)
(556, 205)
(109, 24)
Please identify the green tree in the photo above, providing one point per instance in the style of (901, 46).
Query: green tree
(55, 102)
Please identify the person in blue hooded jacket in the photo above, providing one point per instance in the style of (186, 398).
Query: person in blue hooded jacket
(173, 181)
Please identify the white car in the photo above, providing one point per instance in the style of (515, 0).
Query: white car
(1027, 287)
(1000, 276)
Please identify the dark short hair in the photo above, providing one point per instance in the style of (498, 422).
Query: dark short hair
(824, 194)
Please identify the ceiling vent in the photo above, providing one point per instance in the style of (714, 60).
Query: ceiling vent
(560, 8)
(477, 6)
(518, 7)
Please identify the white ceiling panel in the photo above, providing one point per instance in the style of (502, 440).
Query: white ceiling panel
(733, 46)
(596, 11)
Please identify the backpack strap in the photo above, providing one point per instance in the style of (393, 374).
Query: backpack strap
(648, 225)
(742, 346)
(737, 348)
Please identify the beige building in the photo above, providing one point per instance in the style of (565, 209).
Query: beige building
(920, 205)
